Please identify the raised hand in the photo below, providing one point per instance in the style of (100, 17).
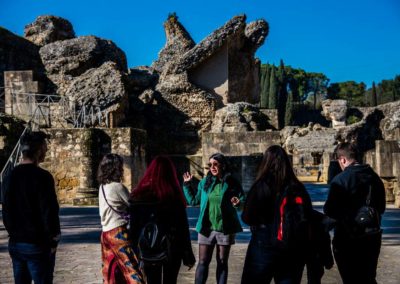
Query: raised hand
(187, 177)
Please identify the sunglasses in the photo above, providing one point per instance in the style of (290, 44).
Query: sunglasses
(210, 165)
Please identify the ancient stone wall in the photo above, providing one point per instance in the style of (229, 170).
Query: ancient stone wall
(74, 155)
(243, 149)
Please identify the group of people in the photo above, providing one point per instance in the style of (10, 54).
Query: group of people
(277, 208)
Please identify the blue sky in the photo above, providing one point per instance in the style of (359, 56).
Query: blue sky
(346, 40)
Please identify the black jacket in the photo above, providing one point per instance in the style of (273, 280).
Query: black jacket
(173, 219)
(262, 200)
(30, 207)
(348, 192)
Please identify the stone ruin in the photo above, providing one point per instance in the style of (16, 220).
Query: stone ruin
(195, 99)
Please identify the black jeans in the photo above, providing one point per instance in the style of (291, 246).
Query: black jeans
(264, 262)
(166, 273)
(357, 258)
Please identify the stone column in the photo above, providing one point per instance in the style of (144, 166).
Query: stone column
(384, 162)
(87, 193)
(396, 173)
(384, 165)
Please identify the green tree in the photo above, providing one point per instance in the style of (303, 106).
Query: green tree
(282, 93)
(273, 89)
(264, 86)
(289, 110)
(374, 95)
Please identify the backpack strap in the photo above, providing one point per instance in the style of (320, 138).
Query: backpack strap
(368, 200)
(122, 214)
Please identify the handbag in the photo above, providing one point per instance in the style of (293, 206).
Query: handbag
(124, 215)
(367, 217)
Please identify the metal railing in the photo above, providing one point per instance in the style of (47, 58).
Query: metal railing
(25, 104)
(12, 161)
(38, 107)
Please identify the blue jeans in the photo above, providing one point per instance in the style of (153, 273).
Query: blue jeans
(31, 262)
(264, 262)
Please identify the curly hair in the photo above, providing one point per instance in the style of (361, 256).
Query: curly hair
(110, 169)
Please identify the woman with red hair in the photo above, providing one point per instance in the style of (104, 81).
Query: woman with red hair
(158, 198)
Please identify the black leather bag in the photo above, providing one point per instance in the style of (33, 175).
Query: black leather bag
(368, 218)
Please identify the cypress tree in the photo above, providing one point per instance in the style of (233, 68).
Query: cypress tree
(282, 94)
(273, 89)
(265, 90)
(374, 95)
(289, 110)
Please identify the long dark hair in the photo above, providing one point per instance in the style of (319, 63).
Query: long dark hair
(160, 181)
(276, 170)
(110, 169)
(224, 168)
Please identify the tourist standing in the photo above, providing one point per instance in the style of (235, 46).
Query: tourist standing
(30, 214)
(320, 169)
(219, 195)
(263, 212)
(120, 264)
(356, 249)
(158, 198)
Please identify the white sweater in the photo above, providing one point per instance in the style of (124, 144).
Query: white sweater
(117, 196)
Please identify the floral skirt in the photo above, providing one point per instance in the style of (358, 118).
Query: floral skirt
(120, 264)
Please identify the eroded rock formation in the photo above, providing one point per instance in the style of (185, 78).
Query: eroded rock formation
(100, 87)
(239, 117)
(48, 29)
(67, 59)
(178, 42)
(335, 110)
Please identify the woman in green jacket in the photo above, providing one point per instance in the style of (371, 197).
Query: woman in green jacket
(218, 194)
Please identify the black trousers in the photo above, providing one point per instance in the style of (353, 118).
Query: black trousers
(166, 273)
(357, 258)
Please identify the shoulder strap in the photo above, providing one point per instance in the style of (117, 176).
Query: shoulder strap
(368, 200)
(112, 208)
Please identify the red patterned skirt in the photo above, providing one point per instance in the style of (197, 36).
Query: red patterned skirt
(120, 264)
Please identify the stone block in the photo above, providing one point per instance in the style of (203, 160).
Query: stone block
(384, 150)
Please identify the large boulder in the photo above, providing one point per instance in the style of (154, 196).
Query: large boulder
(48, 29)
(239, 117)
(67, 59)
(99, 89)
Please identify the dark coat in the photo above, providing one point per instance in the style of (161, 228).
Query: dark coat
(348, 193)
(173, 219)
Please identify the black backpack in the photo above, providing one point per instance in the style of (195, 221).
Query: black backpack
(153, 243)
(291, 226)
(367, 218)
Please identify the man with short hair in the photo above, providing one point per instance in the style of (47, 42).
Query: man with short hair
(30, 214)
(356, 249)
